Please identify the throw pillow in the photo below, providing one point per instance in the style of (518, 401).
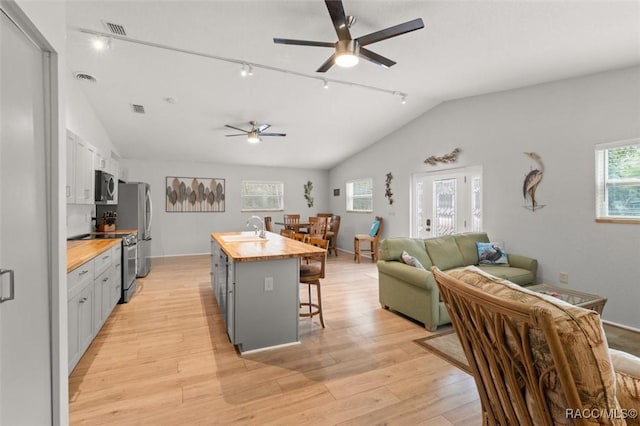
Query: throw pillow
(374, 228)
(410, 260)
(491, 254)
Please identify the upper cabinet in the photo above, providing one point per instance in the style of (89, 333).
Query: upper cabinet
(82, 161)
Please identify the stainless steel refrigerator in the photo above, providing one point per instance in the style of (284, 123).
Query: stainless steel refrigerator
(135, 211)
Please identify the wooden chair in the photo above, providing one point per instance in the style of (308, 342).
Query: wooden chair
(372, 238)
(318, 227)
(299, 236)
(287, 233)
(332, 233)
(267, 224)
(310, 274)
(291, 219)
(516, 355)
(329, 215)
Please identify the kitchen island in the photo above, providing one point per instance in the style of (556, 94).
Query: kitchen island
(255, 283)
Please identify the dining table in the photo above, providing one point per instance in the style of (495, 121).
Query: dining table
(295, 226)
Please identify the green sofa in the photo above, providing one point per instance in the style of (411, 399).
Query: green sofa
(413, 291)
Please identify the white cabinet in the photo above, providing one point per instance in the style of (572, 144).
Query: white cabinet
(80, 174)
(71, 168)
(80, 311)
(94, 289)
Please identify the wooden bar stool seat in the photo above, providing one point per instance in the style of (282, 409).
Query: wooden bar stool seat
(310, 274)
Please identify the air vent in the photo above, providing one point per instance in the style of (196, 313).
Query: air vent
(83, 76)
(139, 109)
(114, 28)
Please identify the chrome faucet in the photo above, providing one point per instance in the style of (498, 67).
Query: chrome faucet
(261, 233)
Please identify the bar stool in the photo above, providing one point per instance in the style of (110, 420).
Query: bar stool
(310, 274)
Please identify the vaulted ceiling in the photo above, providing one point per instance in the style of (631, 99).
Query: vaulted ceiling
(467, 48)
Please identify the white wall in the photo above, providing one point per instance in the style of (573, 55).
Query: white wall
(189, 233)
(561, 121)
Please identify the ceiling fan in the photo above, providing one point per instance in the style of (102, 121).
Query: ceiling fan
(253, 135)
(347, 49)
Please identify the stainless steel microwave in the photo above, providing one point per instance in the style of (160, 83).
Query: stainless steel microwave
(105, 186)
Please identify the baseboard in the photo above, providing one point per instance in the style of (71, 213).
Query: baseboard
(626, 327)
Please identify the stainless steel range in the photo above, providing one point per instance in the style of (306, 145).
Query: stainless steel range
(129, 266)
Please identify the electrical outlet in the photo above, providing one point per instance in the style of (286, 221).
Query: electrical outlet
(268, 284)
(564, 277)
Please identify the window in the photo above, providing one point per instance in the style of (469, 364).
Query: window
(261, 196)
(618, 181)
(360, 195)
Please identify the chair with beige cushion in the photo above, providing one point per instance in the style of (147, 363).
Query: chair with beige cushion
(537, 360)
(371, 238)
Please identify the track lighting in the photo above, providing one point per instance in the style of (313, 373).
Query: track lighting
(250, 71)
(403, 99)
(243, 71)
(326, 84)
(101, 43)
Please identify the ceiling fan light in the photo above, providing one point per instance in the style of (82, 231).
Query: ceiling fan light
(347, 53)
(253, 137)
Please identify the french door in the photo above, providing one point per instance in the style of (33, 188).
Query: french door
(446, 202)
(25, 204)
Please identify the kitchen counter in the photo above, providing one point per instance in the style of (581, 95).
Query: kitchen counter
(273, 247)
(82, 251)
(256, 285)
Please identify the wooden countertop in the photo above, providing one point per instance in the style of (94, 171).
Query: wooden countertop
(82, 251)
(273, 247)
(116, 232)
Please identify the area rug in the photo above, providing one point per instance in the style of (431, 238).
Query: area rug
(447, 346)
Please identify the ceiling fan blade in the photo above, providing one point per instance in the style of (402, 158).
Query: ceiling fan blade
(239, 134)
(328, 64)
(375, 58)
(396, 30)
(264, 127)
(273, 134)
(303, 42)
(236, 128)
(339, 19)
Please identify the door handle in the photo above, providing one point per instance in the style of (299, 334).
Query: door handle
(11, 285)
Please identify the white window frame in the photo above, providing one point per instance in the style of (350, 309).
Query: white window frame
(350, 196)
(603, 182)
(244, 195)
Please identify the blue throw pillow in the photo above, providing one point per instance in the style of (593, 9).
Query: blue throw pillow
(374, 228)
(492, 254)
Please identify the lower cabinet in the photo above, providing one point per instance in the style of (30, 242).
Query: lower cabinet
(94, 289)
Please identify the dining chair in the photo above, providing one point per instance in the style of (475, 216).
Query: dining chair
(332, 233)
(299, 236)
(372, 238)
(288, 233)
(291, 219)
(318, 227)
(310, 274)
(329, 215)
(267, 224)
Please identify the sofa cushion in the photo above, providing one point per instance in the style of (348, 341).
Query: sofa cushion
(392, 248)
(467, 245)
(582, 337)
(515, 275)
(444, 252)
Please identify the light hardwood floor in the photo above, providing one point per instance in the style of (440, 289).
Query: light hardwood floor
(165, 359)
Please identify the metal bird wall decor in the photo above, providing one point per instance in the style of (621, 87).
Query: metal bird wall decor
(531, 182)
